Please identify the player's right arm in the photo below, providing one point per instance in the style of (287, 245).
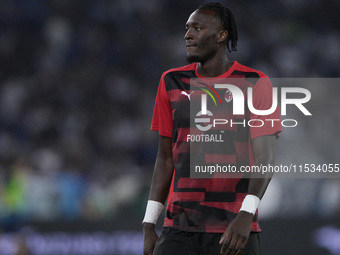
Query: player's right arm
(161, 181)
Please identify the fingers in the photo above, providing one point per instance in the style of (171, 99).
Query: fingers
(240, 243)
(233, 245)
(224, 249)
(239, 252)
(230, 251)
(225, 240)
(226, 246)
(234, 252)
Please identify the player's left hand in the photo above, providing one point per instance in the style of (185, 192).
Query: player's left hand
(235, 237)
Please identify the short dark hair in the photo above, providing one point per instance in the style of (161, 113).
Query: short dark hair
(227, 20)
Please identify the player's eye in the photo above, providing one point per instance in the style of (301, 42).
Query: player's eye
(198, 28)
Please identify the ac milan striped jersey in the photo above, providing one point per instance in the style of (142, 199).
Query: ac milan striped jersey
(209, 204)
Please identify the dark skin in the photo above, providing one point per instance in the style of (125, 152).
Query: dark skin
(235, 237)
(160, 186)
(206, 44)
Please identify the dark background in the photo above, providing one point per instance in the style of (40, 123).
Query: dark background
(78, 80)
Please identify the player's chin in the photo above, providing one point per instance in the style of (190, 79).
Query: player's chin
(191, 58)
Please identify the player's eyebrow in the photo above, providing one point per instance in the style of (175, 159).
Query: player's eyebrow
(192, 24)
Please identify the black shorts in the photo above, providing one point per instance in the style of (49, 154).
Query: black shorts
(176, 242)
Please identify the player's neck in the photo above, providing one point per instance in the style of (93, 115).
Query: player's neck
(214, 67)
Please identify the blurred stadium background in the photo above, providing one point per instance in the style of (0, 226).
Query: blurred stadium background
(78, 79)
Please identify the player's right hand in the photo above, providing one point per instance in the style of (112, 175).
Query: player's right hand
(150, 238)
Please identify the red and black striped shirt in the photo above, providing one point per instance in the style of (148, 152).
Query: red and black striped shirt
(209, 204)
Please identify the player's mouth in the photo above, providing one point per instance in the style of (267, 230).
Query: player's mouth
(191, 45)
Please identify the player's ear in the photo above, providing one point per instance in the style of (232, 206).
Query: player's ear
(222, 36)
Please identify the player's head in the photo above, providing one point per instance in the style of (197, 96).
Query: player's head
(210, 28)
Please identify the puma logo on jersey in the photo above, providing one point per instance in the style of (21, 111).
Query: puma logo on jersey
(186, 94)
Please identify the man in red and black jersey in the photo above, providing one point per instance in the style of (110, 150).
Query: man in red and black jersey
(208, 215)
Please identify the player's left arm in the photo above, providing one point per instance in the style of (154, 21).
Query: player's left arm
(263, 150)
(236, 235)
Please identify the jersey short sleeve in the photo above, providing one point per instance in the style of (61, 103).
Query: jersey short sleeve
(262, 100)
(162, 116)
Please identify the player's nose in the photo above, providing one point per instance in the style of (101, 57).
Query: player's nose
(188, 35)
